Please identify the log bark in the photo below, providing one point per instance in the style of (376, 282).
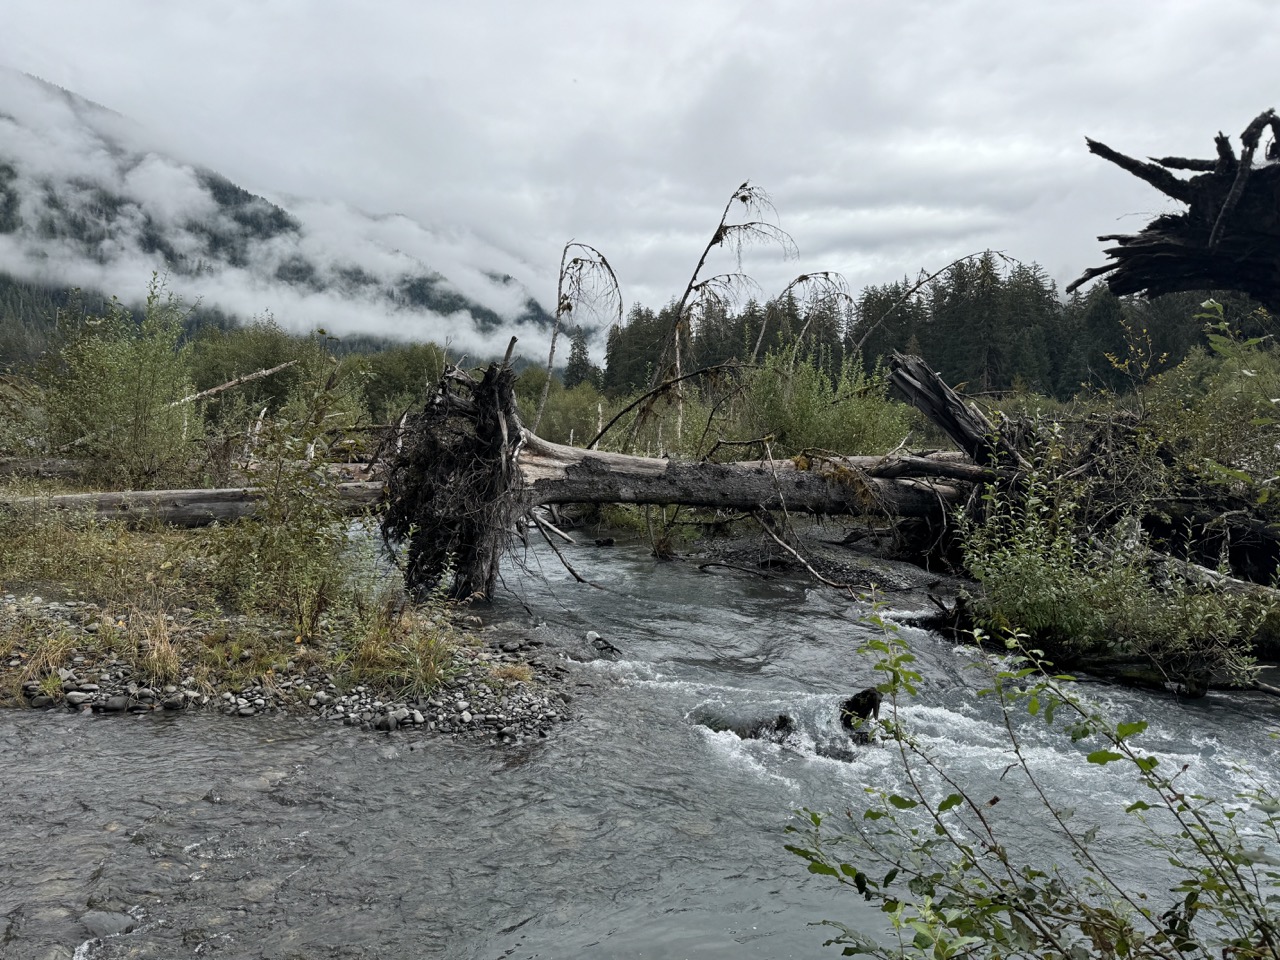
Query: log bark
(554, 473)
(182, 508)
(966, 425)
(47, 468)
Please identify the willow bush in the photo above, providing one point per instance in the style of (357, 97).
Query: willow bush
(952, 878)
(113, 394)
(803, 407)
(1090, 592)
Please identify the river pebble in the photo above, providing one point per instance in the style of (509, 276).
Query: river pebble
(474, 705)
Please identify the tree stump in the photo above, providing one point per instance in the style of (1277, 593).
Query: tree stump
(1228, 238)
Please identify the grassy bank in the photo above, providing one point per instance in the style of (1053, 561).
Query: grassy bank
(224, 609)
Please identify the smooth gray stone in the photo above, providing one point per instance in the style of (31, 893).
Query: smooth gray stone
(102, 923)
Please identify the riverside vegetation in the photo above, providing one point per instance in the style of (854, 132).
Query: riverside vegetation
(952, 880)
(1057, 555)
(293, 608)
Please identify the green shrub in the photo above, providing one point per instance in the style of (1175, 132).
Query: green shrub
(803, 408)
(1087, 592)
(288, 558)
(114, 394)
(574, 415)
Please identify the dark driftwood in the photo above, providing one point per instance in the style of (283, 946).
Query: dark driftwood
(1229, 237)
(468, 471)
(966, 425)
(182, 508)
(44, 469)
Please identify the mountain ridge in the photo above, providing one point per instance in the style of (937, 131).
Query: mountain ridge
(86, 202)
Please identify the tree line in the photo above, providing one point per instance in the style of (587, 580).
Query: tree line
(990, 323)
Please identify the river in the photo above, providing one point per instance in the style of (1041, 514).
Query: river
(631, 832)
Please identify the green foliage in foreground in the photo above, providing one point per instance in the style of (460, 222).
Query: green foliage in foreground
(1087, 595)
(948, 877)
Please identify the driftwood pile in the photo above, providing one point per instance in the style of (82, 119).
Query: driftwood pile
(470, 475)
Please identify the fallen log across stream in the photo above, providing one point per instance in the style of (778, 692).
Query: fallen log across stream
(469, 476)
(469, 472)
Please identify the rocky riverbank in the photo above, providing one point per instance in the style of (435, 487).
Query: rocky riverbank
(79, 656)
(864, 563)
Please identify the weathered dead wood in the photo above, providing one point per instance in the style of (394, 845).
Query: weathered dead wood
(203, 394)
(966, 425)
(183, 508)
(469, 469)
(554, 473)
(46, 468)
(1228, 239)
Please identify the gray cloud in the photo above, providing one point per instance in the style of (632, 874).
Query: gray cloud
(892, 137)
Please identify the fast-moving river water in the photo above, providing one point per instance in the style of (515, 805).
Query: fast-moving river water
(632, 832)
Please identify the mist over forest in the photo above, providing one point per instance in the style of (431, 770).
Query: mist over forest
(89, 209)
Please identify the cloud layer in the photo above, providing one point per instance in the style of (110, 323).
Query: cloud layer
(100, 208)
(892, 137)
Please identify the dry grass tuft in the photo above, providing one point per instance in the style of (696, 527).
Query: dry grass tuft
(512, 672)
(154, 654)
(407, 649)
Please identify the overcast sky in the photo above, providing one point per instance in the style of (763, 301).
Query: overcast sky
(891, 136)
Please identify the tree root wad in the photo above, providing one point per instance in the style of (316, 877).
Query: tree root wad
(452, 490)
(1229, 236)
(468, 472)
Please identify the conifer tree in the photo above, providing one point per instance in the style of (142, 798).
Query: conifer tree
(579, 369)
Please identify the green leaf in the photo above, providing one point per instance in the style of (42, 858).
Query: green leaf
(1126, 730)
(1104, 756)
(952, 801)
(903, 803)
(823, 869)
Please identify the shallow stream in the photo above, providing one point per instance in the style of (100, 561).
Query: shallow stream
(632, 832)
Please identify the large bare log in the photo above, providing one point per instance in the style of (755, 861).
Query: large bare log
(183, 508)
(469, 470)
(553, 473)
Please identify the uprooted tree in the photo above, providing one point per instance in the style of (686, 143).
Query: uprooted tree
(470, 476)
(469, 472)
(1227, 239)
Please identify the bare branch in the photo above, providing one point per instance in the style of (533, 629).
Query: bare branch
(736, 235)
(586, 281)
(730, 365)
(567, 565)
(1158, 177)
(234, 383)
